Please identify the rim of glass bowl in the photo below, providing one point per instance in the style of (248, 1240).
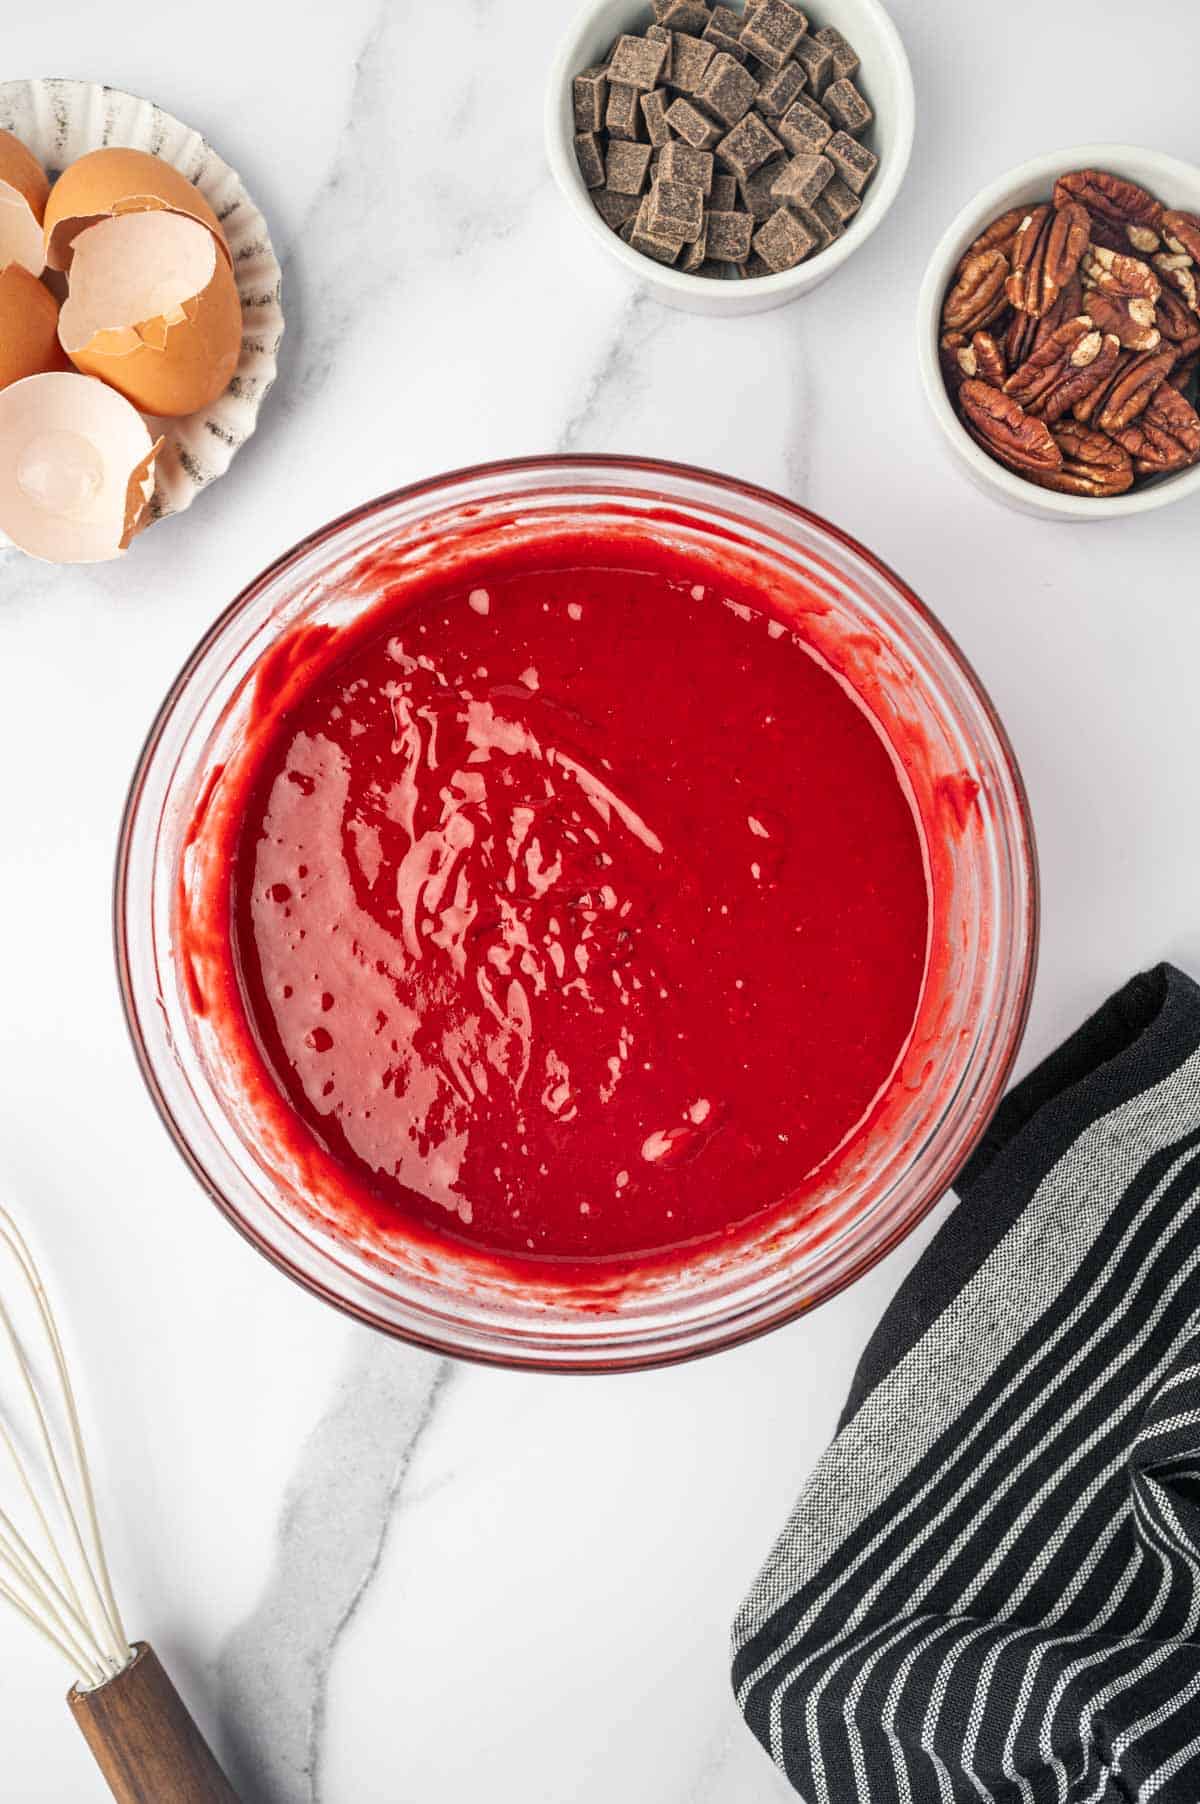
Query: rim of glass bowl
(356, 1288)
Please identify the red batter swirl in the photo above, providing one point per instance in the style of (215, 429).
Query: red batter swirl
(580, 915)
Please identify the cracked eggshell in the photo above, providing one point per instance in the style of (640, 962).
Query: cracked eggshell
(114, 181)
(28, 327)
(62, 121)
(23, 191)
(153, 310)
(76, 469)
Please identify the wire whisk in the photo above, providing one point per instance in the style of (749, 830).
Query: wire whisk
(54, 1575)
(54, 1571)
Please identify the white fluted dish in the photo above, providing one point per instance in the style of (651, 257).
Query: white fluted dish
(59, 121)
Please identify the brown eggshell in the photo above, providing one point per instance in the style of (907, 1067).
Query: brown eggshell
(28, 327)
(114, 181)
(76, 469)
(23, 190)
(176, 359)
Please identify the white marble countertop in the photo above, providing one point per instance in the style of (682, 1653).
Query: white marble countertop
(379, 1579)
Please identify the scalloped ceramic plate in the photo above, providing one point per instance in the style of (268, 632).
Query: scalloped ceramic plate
(59, 121)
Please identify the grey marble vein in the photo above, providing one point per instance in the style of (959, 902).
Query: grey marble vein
(345, 191)
(797, 456)
(733, 1769)
(348, 1486)
(616, 370)
(382, 217)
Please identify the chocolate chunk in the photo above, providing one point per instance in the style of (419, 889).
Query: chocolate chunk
(623, 114)
(822, 214)
(748, 146)
(847, 106)
(590, 159)
(842, 200)
(696, 254)
(755, 191)
(681, 15)
(724, 32)
(845, 57)
(680, 163)
(590, 94)
(853, 161)
(772, 32)
(784, 240)
(805, 128)
(816, 60)
(728, 91)
(652, 244)
(710, 80)
(676, 210)
(626, 166)
(660, 35)
(690, 58)
(638, 62)
(654, 112)
(820, 227)
(729, 236)
(690, 124)
(614, 209)
(800, 180)
(779, 90)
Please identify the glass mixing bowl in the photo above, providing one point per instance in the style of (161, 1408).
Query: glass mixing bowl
(966, 788)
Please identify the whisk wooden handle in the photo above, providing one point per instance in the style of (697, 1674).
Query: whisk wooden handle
(144, 1740)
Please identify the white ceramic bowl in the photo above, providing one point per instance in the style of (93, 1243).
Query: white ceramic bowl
(886, 81)
(1175, 183)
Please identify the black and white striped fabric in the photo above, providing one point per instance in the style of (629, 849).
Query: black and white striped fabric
(990, 1589)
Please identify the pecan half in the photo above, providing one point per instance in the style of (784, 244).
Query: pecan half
(1118, 208)
(1126, 278)
(977, 358)
(1131, 389)
(1182, 234)
(1165, 436)
(1006, 432)
(1046, 255)
(1026, 334)
(988, 359)
(1179, 272)
(1181, 376)
(949, 347)
(1092, 464)
(977, 297)
(1001, 235)
(1073, 362)
(1132, 322)
(1177, 323)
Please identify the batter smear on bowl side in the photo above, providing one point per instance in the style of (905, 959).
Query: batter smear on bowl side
(577, 911)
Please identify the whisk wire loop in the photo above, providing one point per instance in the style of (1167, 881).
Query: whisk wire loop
(67, 1595)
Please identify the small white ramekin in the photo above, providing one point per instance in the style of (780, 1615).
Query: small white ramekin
(1173, 182)
(886, 81)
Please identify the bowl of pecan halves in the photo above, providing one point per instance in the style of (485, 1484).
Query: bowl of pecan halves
(1060, 333)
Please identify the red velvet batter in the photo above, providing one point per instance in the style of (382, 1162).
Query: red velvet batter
(581, 915)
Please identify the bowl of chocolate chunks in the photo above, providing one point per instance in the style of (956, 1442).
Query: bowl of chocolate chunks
(1059, 334)
(730, 157)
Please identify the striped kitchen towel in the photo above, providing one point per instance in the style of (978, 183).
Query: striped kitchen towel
(990, 1589)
